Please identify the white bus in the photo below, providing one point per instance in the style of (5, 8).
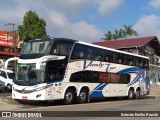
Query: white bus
(74, 71)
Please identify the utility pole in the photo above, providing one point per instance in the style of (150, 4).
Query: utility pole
(14, 41)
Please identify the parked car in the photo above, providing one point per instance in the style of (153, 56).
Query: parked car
(6, 78)
(2, 86)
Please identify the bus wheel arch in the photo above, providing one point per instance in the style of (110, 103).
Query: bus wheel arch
(69, 95)
(138, 93)
(83, 96)
(131, 93)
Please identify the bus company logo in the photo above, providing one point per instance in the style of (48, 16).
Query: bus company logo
(100, 65)
(78, 65)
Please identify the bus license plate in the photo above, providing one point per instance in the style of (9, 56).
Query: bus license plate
(24, 97)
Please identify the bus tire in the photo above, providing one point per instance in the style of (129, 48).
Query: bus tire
(130, 94)
(69, 97)
(83, 96)
(138, 94)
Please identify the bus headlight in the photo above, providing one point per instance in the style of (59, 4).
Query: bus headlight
(39, 95)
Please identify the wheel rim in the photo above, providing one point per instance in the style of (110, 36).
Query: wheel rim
(69, 96)
(9, 87)
(138, 93)
(130, 94)
(83, 96)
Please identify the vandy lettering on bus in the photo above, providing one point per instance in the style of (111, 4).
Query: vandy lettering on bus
(100, 65)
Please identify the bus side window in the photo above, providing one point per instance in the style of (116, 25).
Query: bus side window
(113, 58)
(107, 56)
(140, 62)
(146, 63)
(104, 77)
(120, 58)
(97, 54)
(81, 52)
(130, 60)
(115, 78)
(136, 62)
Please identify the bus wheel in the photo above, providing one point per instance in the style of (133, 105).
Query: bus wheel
(130, 94)
(83, 96)
(69, 97)
(138, 94)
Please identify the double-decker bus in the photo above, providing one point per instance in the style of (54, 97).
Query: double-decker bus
(75, 71)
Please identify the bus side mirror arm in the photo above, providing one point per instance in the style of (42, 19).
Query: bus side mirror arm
(45, 58)
(8, 60)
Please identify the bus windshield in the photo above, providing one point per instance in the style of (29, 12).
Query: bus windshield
(27, 74)
(38, 48)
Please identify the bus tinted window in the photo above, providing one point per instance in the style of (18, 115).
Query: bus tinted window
(92, 53)
(130, 60)
(62, 48)
(99, 77)
(97, 54)
(145, 63)
(109, 56)
(81, 52)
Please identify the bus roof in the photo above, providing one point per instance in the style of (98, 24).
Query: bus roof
(43, 39)
(119, 51)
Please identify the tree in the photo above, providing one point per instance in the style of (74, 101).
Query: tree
(120, 33)
(109, 36)
(33, 27)
(128, 31)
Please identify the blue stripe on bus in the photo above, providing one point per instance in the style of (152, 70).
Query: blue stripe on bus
(36, 86)
(33, 86)
(129, 71)
(97, 92)
(54, 81)
(132, 69)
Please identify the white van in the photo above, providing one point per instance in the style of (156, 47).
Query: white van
(6, 78)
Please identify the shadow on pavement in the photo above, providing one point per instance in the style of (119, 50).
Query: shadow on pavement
(59, 103)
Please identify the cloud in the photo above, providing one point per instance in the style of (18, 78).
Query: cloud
(72, 8)
(108, 6)
(59, 23)
(155, 4)
(148, 26)
(80, 30)
(10, 16)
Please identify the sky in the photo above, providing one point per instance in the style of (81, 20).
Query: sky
(85, 20)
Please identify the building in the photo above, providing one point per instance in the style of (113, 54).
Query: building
(146, 46)
(7, 46)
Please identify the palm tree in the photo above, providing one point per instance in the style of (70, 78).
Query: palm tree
(109, 36)
(128, 32)
(118, 34)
